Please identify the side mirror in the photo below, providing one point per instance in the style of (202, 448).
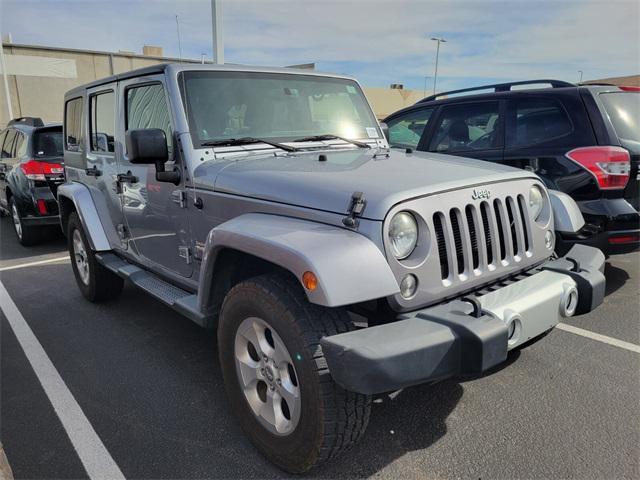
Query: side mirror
(148, 146)
(385, 130)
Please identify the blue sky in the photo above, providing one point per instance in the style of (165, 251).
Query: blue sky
(379, 42)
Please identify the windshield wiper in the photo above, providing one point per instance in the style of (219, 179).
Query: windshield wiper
(229, 142)
(328, 136)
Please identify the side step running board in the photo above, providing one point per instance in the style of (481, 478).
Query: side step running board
(180, 300)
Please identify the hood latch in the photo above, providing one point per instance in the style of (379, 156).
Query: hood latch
(358, 202)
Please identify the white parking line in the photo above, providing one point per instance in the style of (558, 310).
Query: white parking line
(94, 456)
(33, 264)
(600, 338)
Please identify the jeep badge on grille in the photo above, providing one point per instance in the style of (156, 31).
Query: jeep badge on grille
(480, 193)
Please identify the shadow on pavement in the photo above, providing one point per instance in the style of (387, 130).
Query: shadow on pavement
(52, 242)
(616, 278)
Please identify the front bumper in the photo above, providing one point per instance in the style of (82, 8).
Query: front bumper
(466, 336)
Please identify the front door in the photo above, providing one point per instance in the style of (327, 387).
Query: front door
(469, 129)
(156, 222)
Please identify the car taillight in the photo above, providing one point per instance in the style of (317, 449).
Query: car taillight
(36, 170)
(630, 89)
(610, 165)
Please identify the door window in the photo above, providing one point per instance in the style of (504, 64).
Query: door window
(147, 108)
(467, 127)
(103, 122)
(7, 146)
(21, 146)
(406, 130)
(538, 121)
(73, 125)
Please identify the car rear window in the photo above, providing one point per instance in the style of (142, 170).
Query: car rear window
(48, 143)
(624, 111)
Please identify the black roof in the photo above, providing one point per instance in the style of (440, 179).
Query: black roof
(140, 72)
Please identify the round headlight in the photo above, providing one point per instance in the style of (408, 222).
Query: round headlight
(403, 234)
(536, 201)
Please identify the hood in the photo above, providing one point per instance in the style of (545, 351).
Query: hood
(300, 179)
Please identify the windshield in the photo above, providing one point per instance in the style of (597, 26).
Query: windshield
(624, 110)
(48, 143)
(279, 107)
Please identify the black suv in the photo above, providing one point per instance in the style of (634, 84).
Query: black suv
(31, 168)
(583, 140)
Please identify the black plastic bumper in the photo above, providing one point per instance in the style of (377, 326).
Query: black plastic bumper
(444, 341)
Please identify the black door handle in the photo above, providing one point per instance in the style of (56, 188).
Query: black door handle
(93, 172)
(127, 177)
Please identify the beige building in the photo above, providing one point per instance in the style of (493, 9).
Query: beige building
(39, 76)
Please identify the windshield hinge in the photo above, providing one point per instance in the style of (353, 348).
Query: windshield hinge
(358, 202)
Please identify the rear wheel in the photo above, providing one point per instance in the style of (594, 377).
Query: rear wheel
(95, 282)
(277, 378)
(27, 235)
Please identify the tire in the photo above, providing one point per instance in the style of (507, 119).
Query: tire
(95, 282)
(27, 235)
(330, 418)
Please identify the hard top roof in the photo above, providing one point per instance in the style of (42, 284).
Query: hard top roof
(174, 68)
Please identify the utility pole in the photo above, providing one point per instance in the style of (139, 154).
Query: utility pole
(179, 39)
(435, 76)
(5, 80)
(217, 33)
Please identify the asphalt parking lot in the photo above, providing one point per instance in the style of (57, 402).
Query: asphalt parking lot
(149, 383)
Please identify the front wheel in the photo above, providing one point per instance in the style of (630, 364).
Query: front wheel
(95, 282)
(277, 378)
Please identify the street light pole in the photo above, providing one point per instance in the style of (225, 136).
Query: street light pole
(216, 26)
(435, 76)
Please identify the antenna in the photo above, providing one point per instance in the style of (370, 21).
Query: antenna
(179, 40)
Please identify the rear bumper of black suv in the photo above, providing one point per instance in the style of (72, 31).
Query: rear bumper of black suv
(612, 225)
(466, 336)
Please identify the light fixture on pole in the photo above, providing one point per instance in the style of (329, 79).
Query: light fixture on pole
(435, 75)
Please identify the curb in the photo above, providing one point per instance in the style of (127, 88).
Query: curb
(5, 469)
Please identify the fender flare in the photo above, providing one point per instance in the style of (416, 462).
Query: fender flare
(84, 204)
(350, 268)
(567, 217)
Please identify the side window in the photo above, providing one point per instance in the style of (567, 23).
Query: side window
(102, 125)
(538, 120)
(20, 146)
(147, 108)
(73, 125)
(467, 127)
(7, 146)
(405, 131)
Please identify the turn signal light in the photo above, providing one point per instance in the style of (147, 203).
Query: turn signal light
(310, 281)
(609, 165)
(36, 170)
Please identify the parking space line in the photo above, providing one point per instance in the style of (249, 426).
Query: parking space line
(33, 264)
(93, 454)
(600, 338)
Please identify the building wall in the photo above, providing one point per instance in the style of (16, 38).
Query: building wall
(40, 95)
(628, 81)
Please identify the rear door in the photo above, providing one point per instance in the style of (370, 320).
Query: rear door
(7, 161)
(468, 129)
(154, 211)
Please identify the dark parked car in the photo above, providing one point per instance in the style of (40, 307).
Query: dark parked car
(31, 168)
(583, 140)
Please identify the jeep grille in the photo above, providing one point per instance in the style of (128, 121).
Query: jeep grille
(496, 231)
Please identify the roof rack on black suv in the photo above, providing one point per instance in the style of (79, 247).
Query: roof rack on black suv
(28, 121)
(499, 87)
(582, 140)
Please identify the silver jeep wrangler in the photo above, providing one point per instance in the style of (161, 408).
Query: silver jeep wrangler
(266, 203)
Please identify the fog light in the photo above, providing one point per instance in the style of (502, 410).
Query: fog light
(408, 286)
(548, 240)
